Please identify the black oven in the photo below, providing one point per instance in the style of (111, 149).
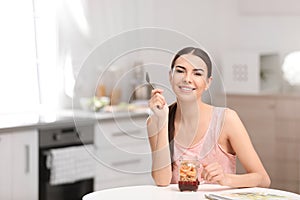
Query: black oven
(55, 138)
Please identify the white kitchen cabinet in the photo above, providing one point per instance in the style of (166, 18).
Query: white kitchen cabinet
(19, 165)
(123, 153)
(5, 166)
(25, 165)
(251, 72)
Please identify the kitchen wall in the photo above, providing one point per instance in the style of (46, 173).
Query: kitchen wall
(218, 26)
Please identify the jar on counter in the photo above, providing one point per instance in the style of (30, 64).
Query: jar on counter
(188, 174)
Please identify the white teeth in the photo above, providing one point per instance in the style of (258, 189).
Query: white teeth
(188, 89)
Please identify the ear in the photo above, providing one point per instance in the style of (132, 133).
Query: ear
(208, 82)
(170, 75)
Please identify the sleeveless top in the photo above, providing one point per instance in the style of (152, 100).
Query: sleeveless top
(207, 150)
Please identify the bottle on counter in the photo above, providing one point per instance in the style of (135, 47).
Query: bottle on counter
(141, 90)
(101, 90)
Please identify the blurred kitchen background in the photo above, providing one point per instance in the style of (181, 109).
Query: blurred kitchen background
(58, 38)
(75, 55)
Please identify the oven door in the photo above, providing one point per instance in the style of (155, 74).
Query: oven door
(74, 191)
(55, 139)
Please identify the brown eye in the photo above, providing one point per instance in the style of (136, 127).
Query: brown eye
(198, 74)
(179, 71)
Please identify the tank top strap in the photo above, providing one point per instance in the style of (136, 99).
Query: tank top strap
(213, 132)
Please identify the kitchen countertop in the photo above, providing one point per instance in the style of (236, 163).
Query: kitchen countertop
(43, 120)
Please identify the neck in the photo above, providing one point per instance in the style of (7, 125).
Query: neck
(189, 111)
(188, 116)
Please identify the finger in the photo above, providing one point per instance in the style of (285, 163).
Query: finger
(157, 104)
(213, 174)
(212, 166)
(216, 179)
(219, 177)
(160, 105)
(157, 95)
(159, 101)
(211, 170)
(156, 91)
(204, 164)
(205, 174)
(216, 175)
(211, 177)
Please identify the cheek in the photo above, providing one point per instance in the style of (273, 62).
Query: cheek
(176, 78)
(202, 82)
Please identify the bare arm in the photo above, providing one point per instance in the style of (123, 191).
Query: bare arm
(239, 139)
(157, 127)
(256, 175)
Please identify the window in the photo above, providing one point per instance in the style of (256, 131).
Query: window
(50, 75)
(291, 68)
(18, 69)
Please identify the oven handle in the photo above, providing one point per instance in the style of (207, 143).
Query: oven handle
(125, 162)
(66, 135)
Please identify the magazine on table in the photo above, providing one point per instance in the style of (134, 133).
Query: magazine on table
(252, 194)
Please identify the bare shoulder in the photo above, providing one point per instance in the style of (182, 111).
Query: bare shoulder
(232, 122)
(231, 115)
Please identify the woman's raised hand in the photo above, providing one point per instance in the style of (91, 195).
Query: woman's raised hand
(158, 104)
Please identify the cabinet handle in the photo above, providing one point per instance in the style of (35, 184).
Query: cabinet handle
(27, 159)
(66, 135)
(118, 134)
(121, 134)
(125, 162)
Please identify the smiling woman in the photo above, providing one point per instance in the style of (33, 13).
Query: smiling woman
(189, 127)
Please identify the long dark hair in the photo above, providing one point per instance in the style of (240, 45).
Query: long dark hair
(171, 129)
(197, 52)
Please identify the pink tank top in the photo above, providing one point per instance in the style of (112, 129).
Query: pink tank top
(207, 150)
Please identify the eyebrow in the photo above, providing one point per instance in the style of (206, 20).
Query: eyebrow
(193, 69)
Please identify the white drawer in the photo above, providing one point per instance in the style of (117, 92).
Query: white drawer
(123, 124)
(135, 159)
(141, 147)
(115, 133)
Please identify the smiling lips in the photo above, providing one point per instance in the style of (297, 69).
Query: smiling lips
(186, 88)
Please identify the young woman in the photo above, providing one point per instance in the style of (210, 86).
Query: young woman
(215, 135)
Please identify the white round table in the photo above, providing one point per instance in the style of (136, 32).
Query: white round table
(151, 192)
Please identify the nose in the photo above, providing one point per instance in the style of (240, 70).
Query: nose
(187, 78)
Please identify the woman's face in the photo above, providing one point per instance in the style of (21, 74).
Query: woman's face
(189, 77)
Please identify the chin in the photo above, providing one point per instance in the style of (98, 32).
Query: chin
(185, 97)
